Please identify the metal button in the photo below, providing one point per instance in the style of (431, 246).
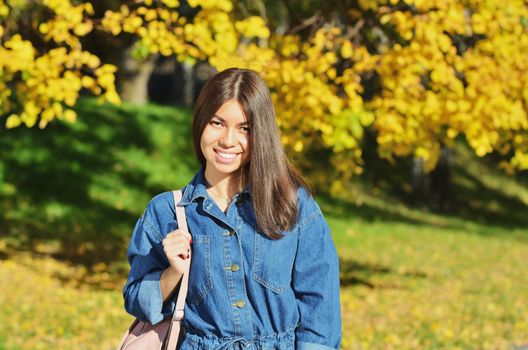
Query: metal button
(240, 303)
(235, 268)
(228, 233)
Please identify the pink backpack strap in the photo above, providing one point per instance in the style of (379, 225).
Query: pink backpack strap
(180, 301)
(180, 211)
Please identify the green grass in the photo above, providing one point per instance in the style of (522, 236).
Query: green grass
(411, 278)
(415, 279)
(409, 286)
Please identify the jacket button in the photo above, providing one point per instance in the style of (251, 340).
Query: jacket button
(240, 303)
(235, 268)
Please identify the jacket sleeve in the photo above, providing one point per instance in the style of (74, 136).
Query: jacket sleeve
(316, 286)
(142, 291)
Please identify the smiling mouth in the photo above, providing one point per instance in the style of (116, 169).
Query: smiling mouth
(226, 155)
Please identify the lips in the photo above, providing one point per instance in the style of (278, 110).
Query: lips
(227, 156)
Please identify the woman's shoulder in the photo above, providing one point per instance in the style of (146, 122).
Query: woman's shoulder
(160, 211)
(161, 201)
(308, 209)
(305, 199)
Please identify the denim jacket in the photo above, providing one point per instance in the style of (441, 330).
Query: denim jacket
(246, 291)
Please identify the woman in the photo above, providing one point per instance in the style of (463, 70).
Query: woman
(264, 271)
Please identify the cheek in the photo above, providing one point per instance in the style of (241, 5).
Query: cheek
(202, 143)
(206, 139)
(204, 146)
(246, 144)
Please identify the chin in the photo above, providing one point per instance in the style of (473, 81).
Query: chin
(226, 169)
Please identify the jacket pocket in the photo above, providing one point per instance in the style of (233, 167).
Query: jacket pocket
(200, 281)
(273, 261)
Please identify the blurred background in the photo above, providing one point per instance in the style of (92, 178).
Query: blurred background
(409, 117)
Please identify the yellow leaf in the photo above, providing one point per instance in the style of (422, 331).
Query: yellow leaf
(112, 97)
(87, 82)
(171, 3)
(93, 61)
(13, 121)
(298, 147)
(69, 115)
(89, 8)
(346, 50)
(253, 26)
(83, 28)
(44, 28)
(444, 42)
(4, 10)
(28, 119)
(481, 150)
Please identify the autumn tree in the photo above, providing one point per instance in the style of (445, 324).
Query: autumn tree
(420, 73)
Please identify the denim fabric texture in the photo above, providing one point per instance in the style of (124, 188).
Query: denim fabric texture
(246, 291)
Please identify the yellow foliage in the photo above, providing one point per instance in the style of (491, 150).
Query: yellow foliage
(431, 91)
(253, 26)
(13, 121)
(4, 10)
(50, 80)
(411, 116)
(171, 3)
(302, 76)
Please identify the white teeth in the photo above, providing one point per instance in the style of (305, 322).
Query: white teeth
(227, 155)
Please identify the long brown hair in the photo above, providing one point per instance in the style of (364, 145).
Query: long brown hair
(270, 176)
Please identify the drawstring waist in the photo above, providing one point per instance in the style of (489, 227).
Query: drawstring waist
(243, 342)
(211, 342)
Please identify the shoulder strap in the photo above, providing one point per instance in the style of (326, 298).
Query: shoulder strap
(180, 211)
(182, 294)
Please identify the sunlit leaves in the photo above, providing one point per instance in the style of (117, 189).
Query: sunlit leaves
(315, 104)
(70, 23)
(445, 69)
(47, 84)
(433, 91)
(253, 26)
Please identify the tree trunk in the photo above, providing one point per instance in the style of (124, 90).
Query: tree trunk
(441, 181)
(433, 190)
(134, 77)
(419, 182)
(188, 84)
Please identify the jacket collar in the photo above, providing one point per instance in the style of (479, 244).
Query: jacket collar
(197, 188)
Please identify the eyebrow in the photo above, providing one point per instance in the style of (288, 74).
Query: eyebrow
(223, 120)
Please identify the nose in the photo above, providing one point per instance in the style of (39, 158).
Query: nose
(228, 138)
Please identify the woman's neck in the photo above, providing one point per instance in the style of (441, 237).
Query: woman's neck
(226, 185)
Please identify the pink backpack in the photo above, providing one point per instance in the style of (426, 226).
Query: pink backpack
(163, 335)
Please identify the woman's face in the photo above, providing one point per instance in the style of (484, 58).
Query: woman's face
(225, 140)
